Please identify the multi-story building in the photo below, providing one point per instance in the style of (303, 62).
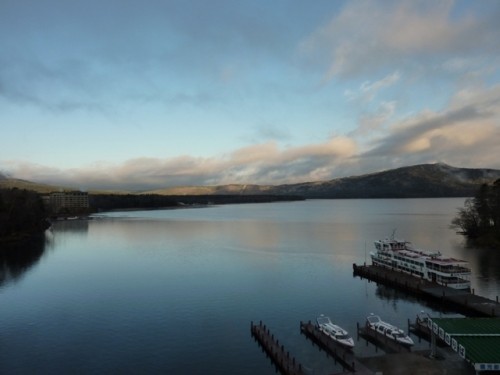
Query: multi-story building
(69, 201)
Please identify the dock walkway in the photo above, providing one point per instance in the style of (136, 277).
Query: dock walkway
(461, 300)
(281, 358)
(341, 354)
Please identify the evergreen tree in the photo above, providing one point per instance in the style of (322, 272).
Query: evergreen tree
(480, 218)
(22, 213)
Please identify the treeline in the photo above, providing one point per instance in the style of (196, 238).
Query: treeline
(232, 198)
(105, 202)
(479, 219)
(22, 214)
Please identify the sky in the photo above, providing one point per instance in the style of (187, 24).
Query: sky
(149, 94)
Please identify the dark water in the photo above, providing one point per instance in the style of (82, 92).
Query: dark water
(174, 291)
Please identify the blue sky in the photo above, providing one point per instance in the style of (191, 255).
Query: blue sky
(142, 95)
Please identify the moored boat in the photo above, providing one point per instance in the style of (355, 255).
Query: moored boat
(376, 324)
(401, 255)
(423, 319)
(333, 331)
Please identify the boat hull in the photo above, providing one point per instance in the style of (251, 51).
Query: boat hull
(460, 285)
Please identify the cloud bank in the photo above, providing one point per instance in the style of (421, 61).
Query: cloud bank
(466, 134)
(368, 36)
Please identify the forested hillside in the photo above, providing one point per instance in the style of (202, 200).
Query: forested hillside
(22, 214)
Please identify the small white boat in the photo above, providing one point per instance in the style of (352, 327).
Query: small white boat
(423, 319)
(336, 333)
(376, 324)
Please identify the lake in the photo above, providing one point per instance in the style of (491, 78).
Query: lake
(174, 291)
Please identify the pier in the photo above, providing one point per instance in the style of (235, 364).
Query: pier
(340, 353)
(462, 301)
(281, 358)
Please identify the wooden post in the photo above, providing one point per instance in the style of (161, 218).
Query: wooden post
(433, 344)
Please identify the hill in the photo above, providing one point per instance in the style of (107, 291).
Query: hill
(418, 181)
(9, 183)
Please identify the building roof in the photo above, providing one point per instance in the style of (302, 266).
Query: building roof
(475, 339)
(469, 326)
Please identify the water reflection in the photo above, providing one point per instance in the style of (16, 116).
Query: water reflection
(486, 265)
(394, 296)
(17, 258)
(73, 226)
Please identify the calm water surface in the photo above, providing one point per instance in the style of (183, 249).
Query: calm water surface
(174, 291)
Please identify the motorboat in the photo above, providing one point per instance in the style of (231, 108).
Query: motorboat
(333, 331)
(423, 319)
(376, 324)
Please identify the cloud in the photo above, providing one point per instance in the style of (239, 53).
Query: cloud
(71, 56)
(260, 163)
(368, 36)
(374, 122)
(368, 90)
(467, 133)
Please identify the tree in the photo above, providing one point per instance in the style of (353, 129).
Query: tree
(22, 213)
(479, 219)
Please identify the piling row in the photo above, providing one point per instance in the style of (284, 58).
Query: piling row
(340, 353)
(281, 358)
(461, 300)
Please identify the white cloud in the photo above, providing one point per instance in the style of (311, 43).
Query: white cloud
(467, 133)
(367, 36)
(260, 163)
(368, 90)
(374, 122)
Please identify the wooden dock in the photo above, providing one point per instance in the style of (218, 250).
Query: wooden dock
(281, 358)
(341, 354)
(462, 301)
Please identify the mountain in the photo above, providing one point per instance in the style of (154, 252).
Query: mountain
(418, 181)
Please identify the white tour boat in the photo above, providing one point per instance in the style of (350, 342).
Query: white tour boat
(333, 331)
(376, 324)
(401, 255)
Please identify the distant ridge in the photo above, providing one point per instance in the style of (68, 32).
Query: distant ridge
(418, 181)
(9, 183)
